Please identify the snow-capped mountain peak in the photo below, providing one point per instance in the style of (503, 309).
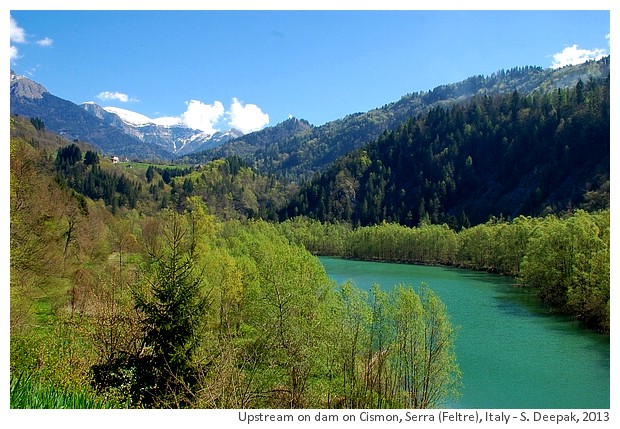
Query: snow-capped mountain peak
(138, 120)
(129, 117)
(168, 121)
(168, 133)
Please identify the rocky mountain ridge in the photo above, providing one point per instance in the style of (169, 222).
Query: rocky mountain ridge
(108, 131)
(176, 138)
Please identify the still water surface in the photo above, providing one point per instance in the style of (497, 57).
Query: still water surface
(511, 352)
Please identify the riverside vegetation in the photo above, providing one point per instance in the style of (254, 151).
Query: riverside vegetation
(161, 286)
(565, 259)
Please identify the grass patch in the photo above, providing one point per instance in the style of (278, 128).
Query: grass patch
(27, 393)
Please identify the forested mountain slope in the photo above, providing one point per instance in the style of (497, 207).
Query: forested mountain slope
(497, 155)
(297, 155)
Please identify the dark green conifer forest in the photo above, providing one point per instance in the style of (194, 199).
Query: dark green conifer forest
(503, 156)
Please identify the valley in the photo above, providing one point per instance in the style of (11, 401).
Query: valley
(187, 276)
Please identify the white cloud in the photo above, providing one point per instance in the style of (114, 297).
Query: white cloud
(201, 116)
(14, 53)
(246, 118)
(573, 55)
(45, 42)
(167, 121)
(18, 35)
(118, 96)
(198, 115)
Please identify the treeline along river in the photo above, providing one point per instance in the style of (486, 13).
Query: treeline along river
(511, 351)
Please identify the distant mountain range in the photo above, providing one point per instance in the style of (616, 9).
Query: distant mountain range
(293, 149)
(114, 131)
(31, 99)
(297, 150)
(174, 137)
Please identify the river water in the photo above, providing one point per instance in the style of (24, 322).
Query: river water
(512, 353)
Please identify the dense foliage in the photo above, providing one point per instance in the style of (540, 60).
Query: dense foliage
(566, 260)
(177, 308)
(88, 178)
(507, 155)
(229, 188)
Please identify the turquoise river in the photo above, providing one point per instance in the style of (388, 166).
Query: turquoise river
(512, 353)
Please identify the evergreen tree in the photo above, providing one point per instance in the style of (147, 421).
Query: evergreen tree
(150, 174)
(91, 158)
(37, 123)
(173, 309)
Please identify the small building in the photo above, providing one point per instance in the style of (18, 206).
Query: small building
(114, 159)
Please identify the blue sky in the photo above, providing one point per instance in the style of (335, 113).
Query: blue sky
(217, 69)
